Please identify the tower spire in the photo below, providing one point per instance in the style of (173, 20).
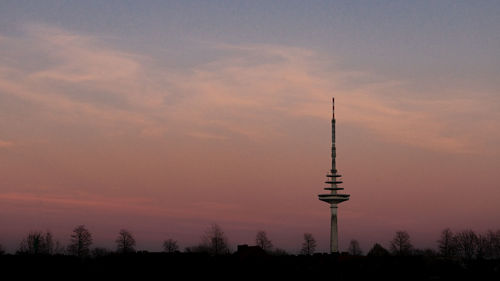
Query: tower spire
(333, 108)
(333, 198)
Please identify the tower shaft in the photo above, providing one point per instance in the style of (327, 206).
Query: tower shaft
(334, 239)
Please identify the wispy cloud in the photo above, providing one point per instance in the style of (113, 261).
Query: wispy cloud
(78, 80)
(246, 92)
(6, 143)
(205, 210)
(285, 82)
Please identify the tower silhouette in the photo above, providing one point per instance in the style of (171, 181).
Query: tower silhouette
(333, 198)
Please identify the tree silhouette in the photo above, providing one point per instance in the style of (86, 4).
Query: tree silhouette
(37, 243)
(466, 243)
(81, 239)
(309, 244)
(49, 243)
(487, 242)
(263, 242)
(400, 244)
(2, 250)
(125, 242)
(447, 243)
(493, 239)
(215, 241)
(170, 246)
(354, 248)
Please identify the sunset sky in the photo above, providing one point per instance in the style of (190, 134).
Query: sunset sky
(163, 117)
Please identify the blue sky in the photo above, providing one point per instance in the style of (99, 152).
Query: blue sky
(386, 36)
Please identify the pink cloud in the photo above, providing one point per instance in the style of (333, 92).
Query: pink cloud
(5, 143)
(240, 93)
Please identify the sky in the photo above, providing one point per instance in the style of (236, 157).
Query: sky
(163, 117)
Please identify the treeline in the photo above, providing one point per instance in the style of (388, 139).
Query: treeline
(213, 242)
(43, 243)
(465, 244)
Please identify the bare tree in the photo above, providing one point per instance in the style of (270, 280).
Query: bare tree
(483, 247)
(81, 239)
(496, 244)
(447, 243)
(354, 248)
(37, 243)
(170, 246)
(125, 242)
(488, 245)
(493, 239)
(400, 244)
(466, 243)
(49, 243)
(215, 241)
(263, 242)
(309, 244)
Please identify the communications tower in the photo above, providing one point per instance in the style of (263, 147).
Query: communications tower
(333, 198)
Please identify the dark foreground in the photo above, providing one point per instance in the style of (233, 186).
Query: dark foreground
(162, 266)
